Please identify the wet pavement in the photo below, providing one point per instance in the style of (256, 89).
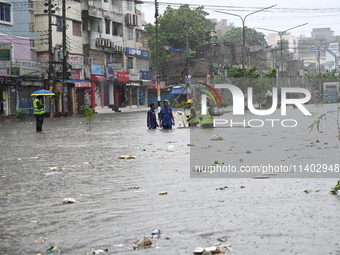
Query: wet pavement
(119, 201)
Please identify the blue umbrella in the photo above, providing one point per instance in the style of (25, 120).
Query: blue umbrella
(42, 92)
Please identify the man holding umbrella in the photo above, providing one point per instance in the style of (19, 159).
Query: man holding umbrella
(39, 113)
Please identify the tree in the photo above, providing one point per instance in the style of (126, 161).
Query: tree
(176, 27)
(236, 34)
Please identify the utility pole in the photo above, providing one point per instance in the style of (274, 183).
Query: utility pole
(50, 67)
(64, 54)
(157, 60)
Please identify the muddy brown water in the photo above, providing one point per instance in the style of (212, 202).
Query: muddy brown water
(118, 201)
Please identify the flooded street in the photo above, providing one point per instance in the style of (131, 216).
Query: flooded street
(119, 201)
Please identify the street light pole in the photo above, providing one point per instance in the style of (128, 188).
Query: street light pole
(281, 33)
(244, 28)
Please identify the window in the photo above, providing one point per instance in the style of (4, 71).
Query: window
(129, 5)
(5, 12)
(107, 26)
(96, 25)
(59, 24)
(76, 28)
(130, 63)
(129, 32)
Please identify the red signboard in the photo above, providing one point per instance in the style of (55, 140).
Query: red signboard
(123, 76)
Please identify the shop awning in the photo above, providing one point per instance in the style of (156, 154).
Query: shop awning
(177, 91)
(147, 82)
(80, 83)
(98, 78)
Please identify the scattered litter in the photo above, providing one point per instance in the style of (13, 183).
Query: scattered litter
(97, 251)
(216, 162)
(51, 184)
(163, 193)
(10, 195)
(119, 245)
(248, 152)
(34, 221)
(241, 160)
(216, 137)
(190, 144)
(170, 148)
(242, 187)
(50, 250)
(175, 169)
(55, 168)
(86, 163)
(142, 243)
(221, 201)
(230, 149)
(156, 233)
(127, 157)
(51, 173)
(222, 240)
(199, 250)
(69, 201)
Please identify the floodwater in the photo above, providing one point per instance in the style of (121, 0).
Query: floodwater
(118, 200)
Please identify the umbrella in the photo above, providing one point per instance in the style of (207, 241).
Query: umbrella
(42, 92)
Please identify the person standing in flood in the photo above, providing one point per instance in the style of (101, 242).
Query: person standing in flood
(151, 117)
(38, 113)
(166, 119)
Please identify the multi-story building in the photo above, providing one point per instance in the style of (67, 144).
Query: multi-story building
(17, 55)
(116, 59)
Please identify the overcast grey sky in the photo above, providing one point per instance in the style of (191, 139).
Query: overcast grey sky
(287, 14)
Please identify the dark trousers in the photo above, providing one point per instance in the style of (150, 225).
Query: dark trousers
(40, 121)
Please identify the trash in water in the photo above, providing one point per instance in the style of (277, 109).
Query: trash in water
(241, 160)
(242, 187)
(51, 184)
(218, 162)
(248, 152)
(97, 251)
(142, 243)
(175, 169)
(216, 137)
(50, 250)
(156, 232)
(190, 144)
(54, 168)
(170, 148)
(222, 240)
(10, 195)
(34, 221)
(163, 193)
(199, 250)
(119, 245)
(127, 157)
(69, 201)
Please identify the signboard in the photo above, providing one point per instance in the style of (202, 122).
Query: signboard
(76, 61)
(154, 86)
(123, 76)
(110, 71)
(76, 75)
(137, 52)
(97, 70)
(5, 64)
(82, 84)
(134, 77)
(117, 66)
(5, 51)
(145, 75)
(29, 68)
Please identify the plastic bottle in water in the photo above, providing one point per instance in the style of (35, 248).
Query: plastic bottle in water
(156, 232)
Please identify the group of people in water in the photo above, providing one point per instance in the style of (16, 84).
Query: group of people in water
(167, 121)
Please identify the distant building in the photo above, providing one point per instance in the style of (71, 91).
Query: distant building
(273, 39)
(222, 26)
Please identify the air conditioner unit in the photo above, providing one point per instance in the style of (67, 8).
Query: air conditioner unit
(100, 42)
(107, 43)
(135, 20)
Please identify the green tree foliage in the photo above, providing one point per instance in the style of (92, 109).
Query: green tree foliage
(316, 80)
(175, 25)
(236, 34)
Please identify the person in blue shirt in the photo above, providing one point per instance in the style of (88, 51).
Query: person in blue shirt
(166, 118)
(151, 117)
